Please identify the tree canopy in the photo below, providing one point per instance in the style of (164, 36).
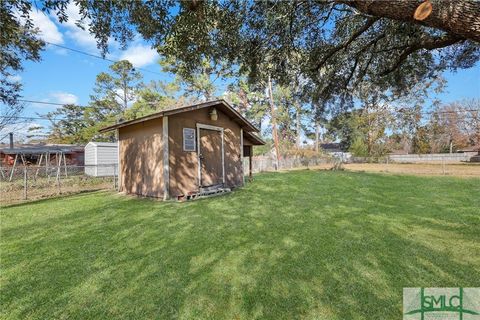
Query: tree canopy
(337, 45)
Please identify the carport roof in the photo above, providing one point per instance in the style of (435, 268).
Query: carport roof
(225, 107)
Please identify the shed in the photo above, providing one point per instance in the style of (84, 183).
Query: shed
(101, 158)
(184, 151)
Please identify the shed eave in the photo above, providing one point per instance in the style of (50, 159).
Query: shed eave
(244, 123)
(256, 140)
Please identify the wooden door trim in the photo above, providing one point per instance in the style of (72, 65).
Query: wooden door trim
(214, 128)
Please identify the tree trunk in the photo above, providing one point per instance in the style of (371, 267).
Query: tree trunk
(125, 99)
(298, 129)
(317, 128)
(459, 17)
(274, 121)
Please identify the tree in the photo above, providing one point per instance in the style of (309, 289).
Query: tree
(18, 42)
(455, 125)
(359, 148)
(68, 125)
(199, 83)
(471, 122)
(319, 120)
(9, 114)
(110, 103)
(250, 100)
(273, 120)
(345, 127)
(408, 121)
(119, 86)
(421, 140)
(363, 130)
(341, 44)
(457, 18)
(407, 125)
(154, 97)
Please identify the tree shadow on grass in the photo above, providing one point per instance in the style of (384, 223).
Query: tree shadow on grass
(342, 250)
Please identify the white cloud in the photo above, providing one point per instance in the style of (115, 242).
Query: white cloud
(64, 97)
(131, 99)
(140, 55)
(78, 35)
(48, 30)
(21, 131)
(15, 78)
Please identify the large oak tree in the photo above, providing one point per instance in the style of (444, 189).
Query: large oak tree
(341, 44)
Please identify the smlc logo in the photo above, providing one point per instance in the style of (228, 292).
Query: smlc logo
(441, 303)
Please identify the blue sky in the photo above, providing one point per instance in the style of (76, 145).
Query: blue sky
(63, 76)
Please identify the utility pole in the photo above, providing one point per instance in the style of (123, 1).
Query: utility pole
(274, 122)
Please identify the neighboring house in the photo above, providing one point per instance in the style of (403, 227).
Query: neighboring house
(184, 151)
(101, 158)
(471, 150)
(335, 150)
(331, 147)
(398, 152)
(40, 154)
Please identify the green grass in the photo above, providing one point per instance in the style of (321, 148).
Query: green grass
(304, 244)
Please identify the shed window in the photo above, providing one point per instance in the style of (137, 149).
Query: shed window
(188, 139)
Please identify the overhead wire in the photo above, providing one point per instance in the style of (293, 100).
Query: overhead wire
(153, 72)
(46, 102)
(98, 57)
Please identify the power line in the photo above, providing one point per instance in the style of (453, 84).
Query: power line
(64, 104)
(44, 102)
(98, 57)
(451, 111)
(45, 118)
(442, 112)
(34, 118)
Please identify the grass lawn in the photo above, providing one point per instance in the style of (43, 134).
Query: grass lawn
(303, 244)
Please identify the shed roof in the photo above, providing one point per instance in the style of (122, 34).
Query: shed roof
(331, 147)
(470, 149)
(253, 138)
(42, 148)
(103, 144)
(225, 107)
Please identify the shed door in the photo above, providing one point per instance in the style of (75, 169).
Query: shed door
(211, 160)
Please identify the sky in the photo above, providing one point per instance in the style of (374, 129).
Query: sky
(63, 76)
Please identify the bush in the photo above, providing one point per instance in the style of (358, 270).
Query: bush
(359, 148)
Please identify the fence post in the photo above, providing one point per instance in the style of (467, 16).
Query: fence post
(114, 177)
(443, 165)
(25, 183)
(59, 190)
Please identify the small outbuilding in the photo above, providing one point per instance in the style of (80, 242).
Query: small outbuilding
(185, 151)
(101, 158)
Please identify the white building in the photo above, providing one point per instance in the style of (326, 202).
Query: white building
(101, 159)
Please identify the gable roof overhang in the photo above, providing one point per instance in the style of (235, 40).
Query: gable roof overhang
(222, 104)
(253, 138)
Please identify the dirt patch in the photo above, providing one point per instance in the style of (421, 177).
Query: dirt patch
(421, 169)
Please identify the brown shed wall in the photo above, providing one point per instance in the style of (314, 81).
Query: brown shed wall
(141, 164)
(184, 165)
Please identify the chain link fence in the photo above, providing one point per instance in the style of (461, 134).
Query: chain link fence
(21, 183)
(432, 165)
(263, 164)
(25, 183)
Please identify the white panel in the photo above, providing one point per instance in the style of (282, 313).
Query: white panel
(101, 159)
(188, 139)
